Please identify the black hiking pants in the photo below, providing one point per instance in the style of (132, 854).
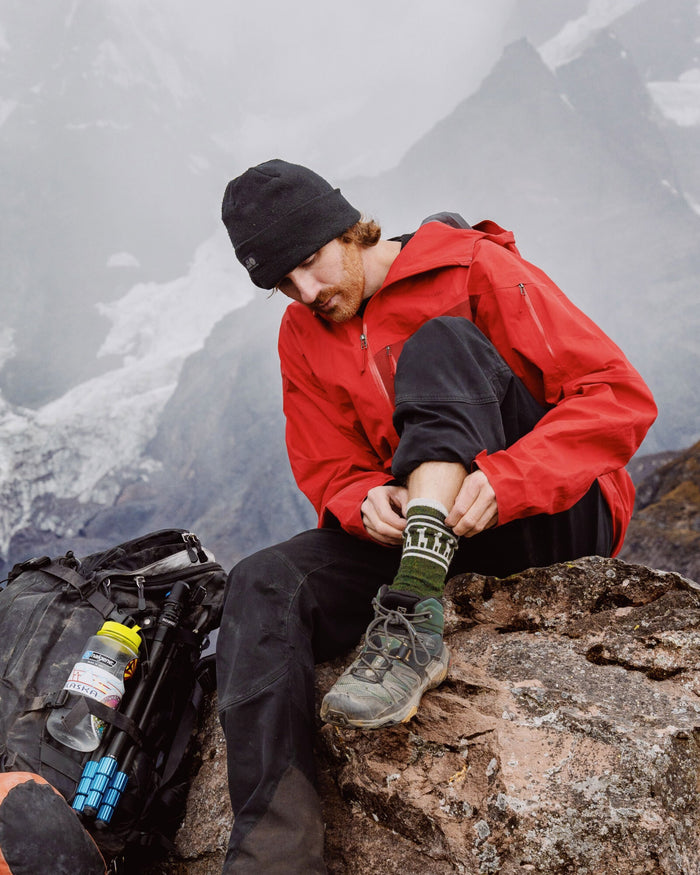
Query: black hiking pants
(308, 599)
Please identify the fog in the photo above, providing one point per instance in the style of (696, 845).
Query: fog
(572, 122)
(345, 87)
(121, 121)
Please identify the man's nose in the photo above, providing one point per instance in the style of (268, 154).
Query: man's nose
(307, 287)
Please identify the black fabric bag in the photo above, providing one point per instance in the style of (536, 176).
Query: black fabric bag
(172, 588)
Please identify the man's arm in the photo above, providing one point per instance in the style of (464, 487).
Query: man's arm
(332, 462)
(600, 408)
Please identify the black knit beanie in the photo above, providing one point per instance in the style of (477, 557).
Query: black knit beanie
(278, 214)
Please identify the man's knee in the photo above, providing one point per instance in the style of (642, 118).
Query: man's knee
(449, 359)
(445, 333)
(253, 643)
(263, 579)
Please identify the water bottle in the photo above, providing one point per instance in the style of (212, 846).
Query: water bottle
(109, 657)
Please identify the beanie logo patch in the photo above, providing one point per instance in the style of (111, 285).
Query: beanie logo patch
(250, 263)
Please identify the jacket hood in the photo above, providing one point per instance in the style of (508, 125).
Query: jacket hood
(437, 245)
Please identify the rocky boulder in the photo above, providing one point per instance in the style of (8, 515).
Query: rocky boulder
(565, 740)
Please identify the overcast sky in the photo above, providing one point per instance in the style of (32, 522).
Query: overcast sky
(345, 86)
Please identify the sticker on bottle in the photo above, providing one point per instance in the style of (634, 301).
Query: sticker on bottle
(94, 682)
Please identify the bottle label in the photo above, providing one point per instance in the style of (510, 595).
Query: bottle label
(95, 682)
(98, 658)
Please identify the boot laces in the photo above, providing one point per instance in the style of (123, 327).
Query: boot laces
(376, 656)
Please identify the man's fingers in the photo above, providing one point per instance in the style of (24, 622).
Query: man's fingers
(475, 507)
(475, 521)
(382, 514)
(382, 531)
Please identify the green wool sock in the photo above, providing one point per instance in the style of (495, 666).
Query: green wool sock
(428, 548)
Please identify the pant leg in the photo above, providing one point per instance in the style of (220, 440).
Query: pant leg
(456, 396)
(287, 607)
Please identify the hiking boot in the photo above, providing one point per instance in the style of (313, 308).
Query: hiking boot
(402, 656)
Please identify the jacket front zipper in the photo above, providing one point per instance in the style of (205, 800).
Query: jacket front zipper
(367, 359)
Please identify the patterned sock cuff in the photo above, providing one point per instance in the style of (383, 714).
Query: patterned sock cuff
(426, 537)
(427, 502)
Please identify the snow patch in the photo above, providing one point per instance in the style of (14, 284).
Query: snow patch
(168, 321)
(693, 204)
(679, 101)
(568, 43)
(123, 259)
(81, 445)
(669, 185)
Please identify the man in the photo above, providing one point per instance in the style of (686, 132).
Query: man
(448, 410)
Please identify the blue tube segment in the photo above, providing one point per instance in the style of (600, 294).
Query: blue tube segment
(83, 788)
(106, 768)
(111, 798)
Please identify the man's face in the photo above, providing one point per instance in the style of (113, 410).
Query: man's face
(331, 282)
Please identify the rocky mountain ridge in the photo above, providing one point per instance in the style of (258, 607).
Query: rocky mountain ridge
(577, 162)
(665, 528)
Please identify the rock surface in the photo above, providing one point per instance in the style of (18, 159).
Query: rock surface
(565, 740)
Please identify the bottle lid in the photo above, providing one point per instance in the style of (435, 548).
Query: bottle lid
(126, 634)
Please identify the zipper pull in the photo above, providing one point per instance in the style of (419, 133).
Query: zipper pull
(139, 580)
(392, 360)
(363, 347)
(194, 548)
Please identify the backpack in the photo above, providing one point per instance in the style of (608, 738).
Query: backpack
(172, 588)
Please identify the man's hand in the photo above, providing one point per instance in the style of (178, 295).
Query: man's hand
(475, 507)
(384, 513)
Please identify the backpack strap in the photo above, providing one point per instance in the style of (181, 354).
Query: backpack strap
(54, 699)
(56, 759)
(183, 736)
(87, 590)
(82, 707)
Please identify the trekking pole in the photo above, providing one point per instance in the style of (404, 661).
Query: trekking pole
(103, 781)
(119, 779)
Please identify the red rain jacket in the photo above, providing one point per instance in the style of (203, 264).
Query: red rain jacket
(338, 382)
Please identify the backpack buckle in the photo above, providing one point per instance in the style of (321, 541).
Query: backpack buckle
(57, 699)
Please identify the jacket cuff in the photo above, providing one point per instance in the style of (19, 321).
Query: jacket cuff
(345, 506)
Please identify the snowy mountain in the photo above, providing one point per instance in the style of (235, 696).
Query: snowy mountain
(580, 162)
(161, 406)
(61, 463)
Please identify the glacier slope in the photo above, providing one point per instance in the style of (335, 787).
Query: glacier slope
(80, 445)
